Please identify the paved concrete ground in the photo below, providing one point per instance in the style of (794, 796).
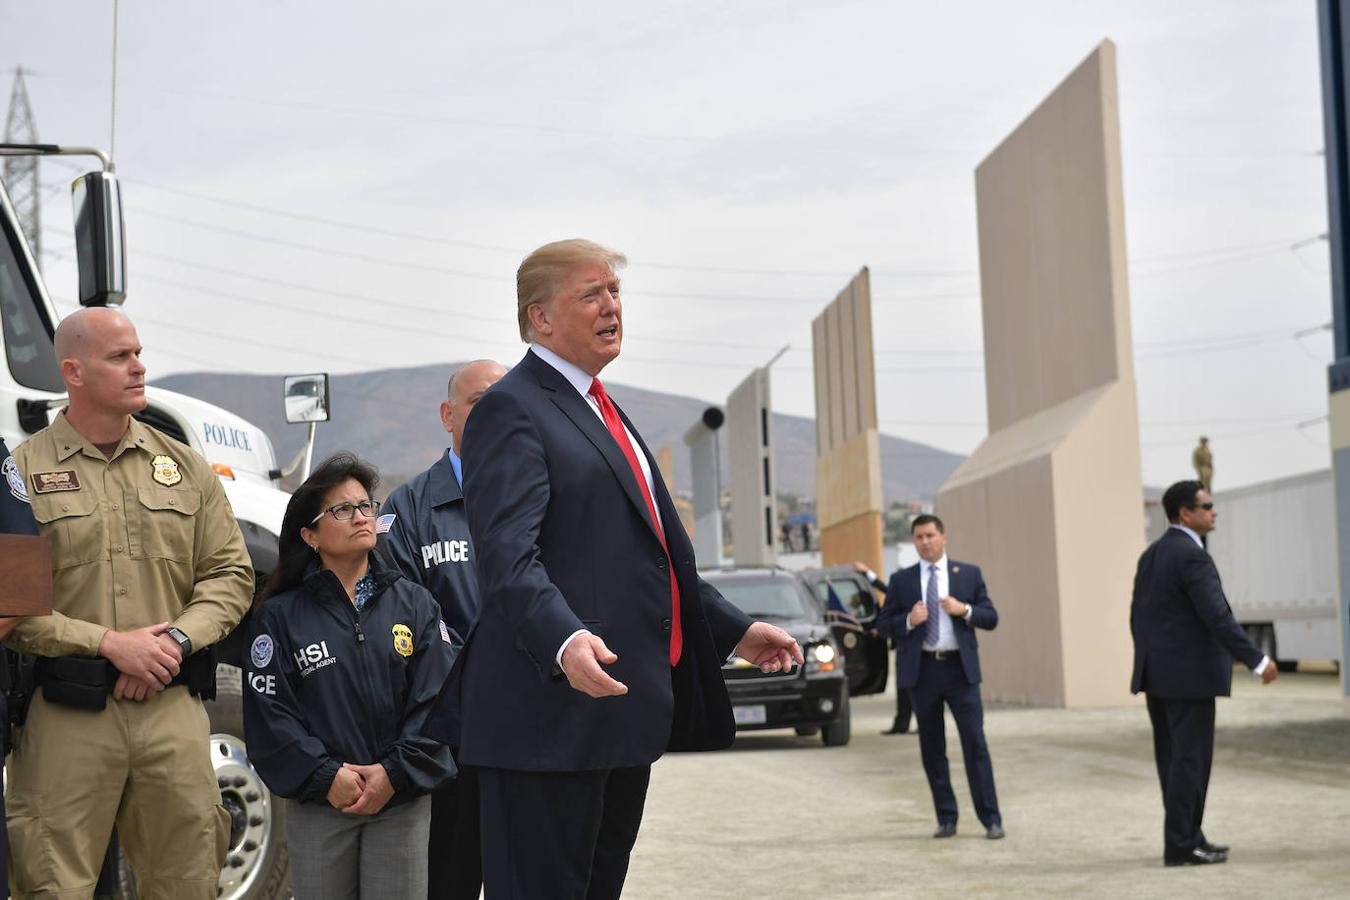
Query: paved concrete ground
(783, 816)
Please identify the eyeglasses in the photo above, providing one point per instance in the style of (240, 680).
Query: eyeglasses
(1205, 506)
(343, 512)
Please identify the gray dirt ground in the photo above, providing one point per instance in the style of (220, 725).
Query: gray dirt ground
(778, 815)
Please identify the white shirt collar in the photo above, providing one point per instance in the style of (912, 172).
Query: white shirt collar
(575, 375)
(1195, 537)
(940, 564)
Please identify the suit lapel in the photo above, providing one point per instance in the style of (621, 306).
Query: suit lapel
(572, 405)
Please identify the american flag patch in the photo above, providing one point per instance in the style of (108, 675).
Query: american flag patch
(384, 523)
(445, 633)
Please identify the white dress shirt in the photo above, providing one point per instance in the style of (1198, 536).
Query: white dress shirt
(946, 633)
(577, 377)
(1265, 660)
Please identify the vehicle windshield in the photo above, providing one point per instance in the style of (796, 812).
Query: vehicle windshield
(27, 333)
(766, 598)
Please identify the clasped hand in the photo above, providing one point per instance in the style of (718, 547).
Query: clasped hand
(360, 790)
(147, 658)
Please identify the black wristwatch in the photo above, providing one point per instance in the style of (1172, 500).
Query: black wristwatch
(182, 639)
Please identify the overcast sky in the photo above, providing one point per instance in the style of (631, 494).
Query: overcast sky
(343, 186)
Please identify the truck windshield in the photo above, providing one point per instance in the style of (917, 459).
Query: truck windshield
(28, 335)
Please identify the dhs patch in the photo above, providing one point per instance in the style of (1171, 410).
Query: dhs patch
(384, 523)
(14, 479)
(261, 651)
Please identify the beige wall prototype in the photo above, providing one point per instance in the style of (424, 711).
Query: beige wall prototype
(754, 503)
(1048, 504)
(848, 448)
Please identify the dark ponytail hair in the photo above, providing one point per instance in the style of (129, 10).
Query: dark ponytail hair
(293, 554)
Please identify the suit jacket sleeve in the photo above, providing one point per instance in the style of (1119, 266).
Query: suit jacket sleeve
(982, 612)
(1205, 591)
(506, 498)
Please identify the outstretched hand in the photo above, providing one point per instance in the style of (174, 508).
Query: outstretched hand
(581, 663)
(769, 647)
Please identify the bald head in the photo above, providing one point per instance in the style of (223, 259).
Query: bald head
(99, 354)
(469, 382)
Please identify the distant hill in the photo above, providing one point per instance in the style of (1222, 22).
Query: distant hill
(389, 417)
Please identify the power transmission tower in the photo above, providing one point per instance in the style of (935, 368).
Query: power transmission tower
(21, 172)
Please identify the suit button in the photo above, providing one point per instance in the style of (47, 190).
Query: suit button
(665, 624)
(660, 562)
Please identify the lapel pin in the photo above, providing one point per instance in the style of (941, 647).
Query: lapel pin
(955, 569)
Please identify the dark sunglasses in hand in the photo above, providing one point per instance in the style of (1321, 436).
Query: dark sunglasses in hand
(344, 511)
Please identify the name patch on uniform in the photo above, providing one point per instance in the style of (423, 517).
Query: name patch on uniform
(51, 482)
(403, 644)
(261, 651)
(384, 523)
(14, 479)
(166, 470)
(445, 633)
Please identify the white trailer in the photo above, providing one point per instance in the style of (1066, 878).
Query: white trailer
(1275, 547)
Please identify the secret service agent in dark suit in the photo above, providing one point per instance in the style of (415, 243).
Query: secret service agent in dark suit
(904, 708)
(1185, 641)
(932, 610)
(597, 647)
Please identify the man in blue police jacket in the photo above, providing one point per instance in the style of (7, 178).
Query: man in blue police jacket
(22, 565)
(425, 531)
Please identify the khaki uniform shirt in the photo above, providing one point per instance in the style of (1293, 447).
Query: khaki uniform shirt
(145, 537)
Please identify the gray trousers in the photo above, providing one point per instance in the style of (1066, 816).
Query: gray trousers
(336, 856)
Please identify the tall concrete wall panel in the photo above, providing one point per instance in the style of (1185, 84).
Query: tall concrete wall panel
(1049, 502)
(754, 503)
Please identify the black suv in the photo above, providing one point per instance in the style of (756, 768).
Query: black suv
(808, 698)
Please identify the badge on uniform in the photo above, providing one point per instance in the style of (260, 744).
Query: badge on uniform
(403, 644)
(166, 470)
(384, 523)
(14, 479)
(261, 651)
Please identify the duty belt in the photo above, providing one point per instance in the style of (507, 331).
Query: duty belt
(85, 682)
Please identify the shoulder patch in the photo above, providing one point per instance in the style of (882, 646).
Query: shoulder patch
(51, 482)
(14, 479)
(261, 651)
(384, 523)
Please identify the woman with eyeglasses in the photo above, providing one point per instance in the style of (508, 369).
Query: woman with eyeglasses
(346, 657)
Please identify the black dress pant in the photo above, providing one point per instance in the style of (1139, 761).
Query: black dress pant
(944, 681)
(1183, 748)
(563, 835)
(455, 856)
(904, 708)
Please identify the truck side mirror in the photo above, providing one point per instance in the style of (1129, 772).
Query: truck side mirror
(100, 241)
(306, 398)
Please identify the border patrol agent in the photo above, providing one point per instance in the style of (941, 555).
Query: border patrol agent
(426, 532)
(149, 568)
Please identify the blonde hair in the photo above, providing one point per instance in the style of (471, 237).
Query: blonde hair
(540, 275)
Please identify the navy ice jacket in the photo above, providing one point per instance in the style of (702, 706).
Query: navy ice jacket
(326, 684)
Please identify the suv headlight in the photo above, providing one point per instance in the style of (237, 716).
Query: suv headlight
(821, 657)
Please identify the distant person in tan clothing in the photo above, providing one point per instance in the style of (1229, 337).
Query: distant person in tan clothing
(149, 568)
(1203, 460)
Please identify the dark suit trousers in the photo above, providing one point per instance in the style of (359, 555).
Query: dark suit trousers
(944, 681)
(455, 857)
(563, 835)
(904, 706)
(1183, 747)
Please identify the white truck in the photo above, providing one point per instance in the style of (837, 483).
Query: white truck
(31, 391)
(1275, 548)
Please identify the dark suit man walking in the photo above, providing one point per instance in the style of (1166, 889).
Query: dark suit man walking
(904, 708)
(597, 647)
(932, 610)
(1185, 641)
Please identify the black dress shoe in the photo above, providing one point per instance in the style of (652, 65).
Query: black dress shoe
(995, 832)
(945, 829)
(1213, 848)
(1197, 857)
(897, 729)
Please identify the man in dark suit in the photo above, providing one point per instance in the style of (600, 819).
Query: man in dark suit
(904, 709)
(1185, 641)
(932, 610)
(597, 647)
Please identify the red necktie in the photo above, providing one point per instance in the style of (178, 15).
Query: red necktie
(616, 430)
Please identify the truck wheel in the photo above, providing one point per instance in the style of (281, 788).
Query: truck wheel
(257, 866)
(837, 733)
